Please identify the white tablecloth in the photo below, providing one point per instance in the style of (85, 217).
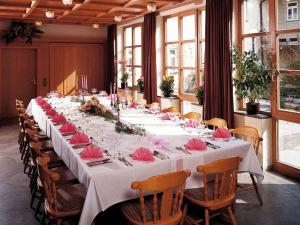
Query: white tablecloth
(109, 184)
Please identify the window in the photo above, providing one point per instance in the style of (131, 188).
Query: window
(255, 28)
(292, 11)
(182, 51)
(132, 53)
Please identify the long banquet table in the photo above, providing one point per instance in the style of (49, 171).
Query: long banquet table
(110, 183)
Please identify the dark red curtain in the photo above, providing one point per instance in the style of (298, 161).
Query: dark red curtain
(218, 98)
(149, 58)
(110, 75)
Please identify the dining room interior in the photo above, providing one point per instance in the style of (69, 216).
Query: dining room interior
(164, 112)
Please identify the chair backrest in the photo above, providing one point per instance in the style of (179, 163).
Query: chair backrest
(219, 178)
(216, 123)
(48, 179)
(142, 102)
(171, 110)
(249, 134)
(169, 188)
(192, 115)
(31, 135)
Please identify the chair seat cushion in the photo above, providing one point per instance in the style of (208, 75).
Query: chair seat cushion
(71, 197)
(66, 176)
(131, 209)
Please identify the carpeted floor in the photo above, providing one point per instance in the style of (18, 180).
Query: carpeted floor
(281, 196)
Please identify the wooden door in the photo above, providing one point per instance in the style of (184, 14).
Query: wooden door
(18, 78)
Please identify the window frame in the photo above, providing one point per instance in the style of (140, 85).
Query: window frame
(132, 86)
(291, 8)
(180, 42)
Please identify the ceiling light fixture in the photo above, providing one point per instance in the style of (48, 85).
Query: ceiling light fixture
(151, 6)
(67, 2)
(118, 18)
(38, 23)
(49, 14)
(95, 25)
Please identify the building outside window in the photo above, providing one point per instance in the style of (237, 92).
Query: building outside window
(292, 11)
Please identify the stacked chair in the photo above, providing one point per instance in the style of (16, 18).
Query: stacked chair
(56, 195)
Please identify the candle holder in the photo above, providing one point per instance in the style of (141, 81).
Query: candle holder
(83, 92)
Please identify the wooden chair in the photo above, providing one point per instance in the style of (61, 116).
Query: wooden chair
(218, 193)
(165, 206)
(36, 187)
(216, 123)
(153, 105)
(61, 203)
(171, 110)
(251, 135)
(142, 102)
(192, 115)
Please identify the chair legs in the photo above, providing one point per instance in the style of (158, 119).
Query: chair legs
(206, 216)
(231, 215)
(256, 189)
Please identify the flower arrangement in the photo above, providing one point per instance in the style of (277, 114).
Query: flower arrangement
(92, 106)
(124, 80)
(129, 128)
(167, 85)
(199, 91)
(140, 84)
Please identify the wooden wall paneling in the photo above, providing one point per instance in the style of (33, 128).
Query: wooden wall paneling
(56, 68)
(19, 75)
(43, 76)
(82, 62)
(69, 68)
(96, 66)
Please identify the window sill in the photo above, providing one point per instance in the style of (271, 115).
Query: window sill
(257, 116)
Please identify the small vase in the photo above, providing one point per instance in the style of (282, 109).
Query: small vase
(141, 89)
(200, 101)
(123, 85)
(167, 95)
(252, 108)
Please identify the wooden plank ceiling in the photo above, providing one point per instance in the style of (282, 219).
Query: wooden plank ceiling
(85, 12)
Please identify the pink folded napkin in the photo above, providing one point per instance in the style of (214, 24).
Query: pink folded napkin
(133, 105)
(195, 144)
(221, 133)
(40, 101)
(191, 123)
(59, 118)
(68, 128)
(80, 138)
(167, 116)
(91, 152)
(51, 112)
(46, 106)
(38, 98)
(143, 154)
(159, 143)
(153, 111)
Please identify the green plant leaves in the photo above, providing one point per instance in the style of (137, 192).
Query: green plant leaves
(26, 31)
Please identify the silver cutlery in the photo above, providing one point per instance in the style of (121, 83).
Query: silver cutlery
(80, 145)
(160, 155)
(183, 150)
(98, 162)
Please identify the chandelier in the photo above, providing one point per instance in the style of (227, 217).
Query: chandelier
(151, 6)
(49, 14)
(118, 18)
(95, 25)
(67, 2)
(38, 23)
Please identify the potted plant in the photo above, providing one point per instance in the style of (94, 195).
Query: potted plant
(124, 80)
(167, 85)
(253, 80)
(199, 91)
(140, 84)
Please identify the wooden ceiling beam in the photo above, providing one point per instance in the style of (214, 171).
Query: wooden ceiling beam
(30, 10)
(75, 7)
